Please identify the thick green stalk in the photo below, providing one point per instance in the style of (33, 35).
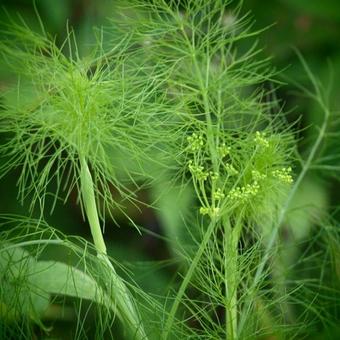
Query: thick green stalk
(126, 308)
(231, 282)
(230, 266)
(90, 206)
(231, 239)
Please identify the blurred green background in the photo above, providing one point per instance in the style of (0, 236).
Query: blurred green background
(311, 26)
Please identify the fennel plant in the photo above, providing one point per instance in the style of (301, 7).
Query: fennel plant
(172, 95)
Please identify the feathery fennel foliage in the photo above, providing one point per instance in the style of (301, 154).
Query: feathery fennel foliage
(169, 88)
(69, 125)
(79, 108)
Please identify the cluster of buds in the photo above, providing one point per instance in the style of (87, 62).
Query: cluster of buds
(212, 212)
(231, 170)
(284, 175)
(245, 192)
(197, 171)
(195, 142)
(258, 176)
(260, 139)
(218, 194)
(214, 175)
(223, 150)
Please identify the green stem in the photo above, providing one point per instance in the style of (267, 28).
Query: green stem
(186, 280)
(88, 197)
(123, 299)
(214, 158)
(230, 283)
(227, 229)
(231, 239)
(232, 290)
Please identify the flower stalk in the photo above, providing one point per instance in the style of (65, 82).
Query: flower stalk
(231, 241)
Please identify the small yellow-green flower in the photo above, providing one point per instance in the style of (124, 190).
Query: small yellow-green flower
(211, 211)
(244, 193)
(260, 139)
(284, 175)
(204, 210)
(195, 142)
(198, 171)
(224, 150)
(258, 176)
(231, 170)
(214, 175)
(218, 194)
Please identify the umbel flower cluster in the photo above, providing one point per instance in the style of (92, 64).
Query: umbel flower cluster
(246, 174)
(227, 128)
